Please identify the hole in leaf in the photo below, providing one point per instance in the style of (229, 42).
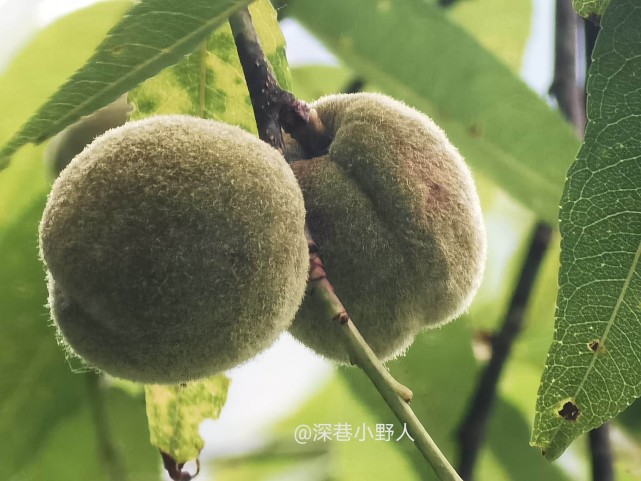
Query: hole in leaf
(569, 411)
(596, 346)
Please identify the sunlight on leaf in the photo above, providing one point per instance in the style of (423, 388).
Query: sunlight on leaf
(312, 82)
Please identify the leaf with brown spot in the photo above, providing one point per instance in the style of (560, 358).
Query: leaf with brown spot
(595, 358)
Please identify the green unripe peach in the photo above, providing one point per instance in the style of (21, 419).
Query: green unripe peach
(175, 249)
(396, 217)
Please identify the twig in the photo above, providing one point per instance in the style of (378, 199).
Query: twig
(266, 96)
(360, 352)
(109, 455)
(473, 428)
(602, 462)
(302, 123)
(274, 108)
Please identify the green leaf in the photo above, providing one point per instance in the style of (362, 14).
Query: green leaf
(441, 371)
(503, 30)
(271, 38)
(283, 462)
(75, 452)
(56, 51)
(312, 82)
(593, 370)
(38, 388)
(209, 82)
(350, 399)
(588, 8)
(503, 128)
(440, 399)
(175, 412)
(153, 35)
(507, 449)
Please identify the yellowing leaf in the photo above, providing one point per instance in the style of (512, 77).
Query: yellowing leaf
(209, 82)
(176, 411)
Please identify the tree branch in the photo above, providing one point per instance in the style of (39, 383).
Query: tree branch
(564, 84)
(354, 86)
(300, 121)
(266, 96)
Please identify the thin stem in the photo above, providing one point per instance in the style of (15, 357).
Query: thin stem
(300, 121)
(395, 394)
(108, 452)
(360, 353)
(474, 426)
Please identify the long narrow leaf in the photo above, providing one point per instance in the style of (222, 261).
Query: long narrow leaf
(153, 35)
(593, 370)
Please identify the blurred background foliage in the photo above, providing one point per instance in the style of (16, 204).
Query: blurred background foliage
(57, 423)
